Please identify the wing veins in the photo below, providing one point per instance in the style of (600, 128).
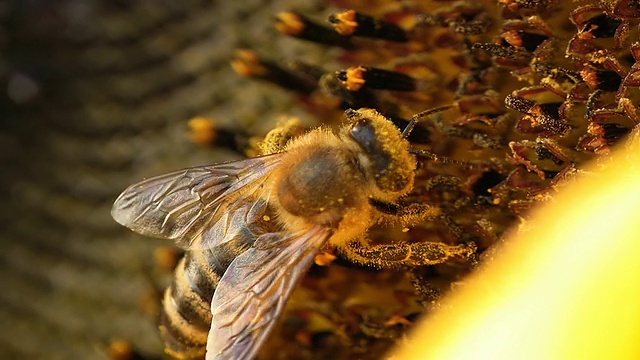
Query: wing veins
(183, 206)
(254, 291)
(179, 210)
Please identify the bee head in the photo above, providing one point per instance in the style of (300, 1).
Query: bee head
(385, 151)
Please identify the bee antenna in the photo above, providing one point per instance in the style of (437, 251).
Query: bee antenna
(415, 118)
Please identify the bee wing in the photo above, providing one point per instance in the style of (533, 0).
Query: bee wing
(254, 290)
(198, 207)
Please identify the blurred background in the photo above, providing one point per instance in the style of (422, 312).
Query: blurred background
(95, 95)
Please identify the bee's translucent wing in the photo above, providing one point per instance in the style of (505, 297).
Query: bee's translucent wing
(198, 207)
(254, 290)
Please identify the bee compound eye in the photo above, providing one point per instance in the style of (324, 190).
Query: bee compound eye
(365, 135)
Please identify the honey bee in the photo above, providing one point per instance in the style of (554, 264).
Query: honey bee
(253, 227)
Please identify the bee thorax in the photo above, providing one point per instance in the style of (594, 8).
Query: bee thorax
(319, 187)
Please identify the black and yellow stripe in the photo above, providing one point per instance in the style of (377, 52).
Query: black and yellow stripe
(186, 313)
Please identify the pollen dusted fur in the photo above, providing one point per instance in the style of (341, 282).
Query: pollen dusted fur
(253, 227)
(328, 179)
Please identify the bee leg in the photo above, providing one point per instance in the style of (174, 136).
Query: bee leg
(415, 213)
(393, 256)
(427, 292)
(408, 214)
(415, 254)
(276, 140)
(429, 286)
(443, 182)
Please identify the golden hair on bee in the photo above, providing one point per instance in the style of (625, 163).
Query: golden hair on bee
(253, 227)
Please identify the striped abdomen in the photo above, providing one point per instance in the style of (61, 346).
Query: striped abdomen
(186, 313)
